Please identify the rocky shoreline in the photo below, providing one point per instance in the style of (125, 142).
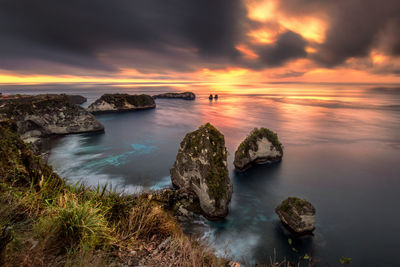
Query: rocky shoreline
(42, 116)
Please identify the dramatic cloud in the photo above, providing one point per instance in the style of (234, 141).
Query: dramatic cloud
(288, 46)
(61, 31)
(356, 27)
(102, 37)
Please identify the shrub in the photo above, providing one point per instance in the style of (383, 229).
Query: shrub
(74, 223)
(146, 219)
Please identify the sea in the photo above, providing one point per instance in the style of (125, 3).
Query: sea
(341, 153)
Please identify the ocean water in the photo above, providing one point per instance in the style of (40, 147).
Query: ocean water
(341, 152)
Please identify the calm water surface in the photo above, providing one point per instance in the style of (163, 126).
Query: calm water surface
(342, 153)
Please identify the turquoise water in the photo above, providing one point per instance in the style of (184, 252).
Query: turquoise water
(341, 152)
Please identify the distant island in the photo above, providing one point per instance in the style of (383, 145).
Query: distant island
(121, 102)
(184, 95)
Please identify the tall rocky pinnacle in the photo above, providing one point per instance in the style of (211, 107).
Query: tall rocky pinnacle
(201, 168)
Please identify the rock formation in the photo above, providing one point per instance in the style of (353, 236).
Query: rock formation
(261, 146)
(297, 215)
(121, 102)
(201, 168)
(45, 115)
(185, 95)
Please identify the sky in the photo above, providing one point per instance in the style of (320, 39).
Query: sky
(176, 42)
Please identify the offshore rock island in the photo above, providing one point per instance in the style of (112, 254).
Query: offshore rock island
(261, 146)
(121, 102)
(184, 95)
(201, 168)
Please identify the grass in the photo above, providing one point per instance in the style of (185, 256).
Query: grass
(69, 223)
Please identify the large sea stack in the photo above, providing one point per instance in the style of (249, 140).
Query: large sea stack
(297, 215)
(121, 102)
(261, 146)
(45, 115)
(184, 95)
(201, 169)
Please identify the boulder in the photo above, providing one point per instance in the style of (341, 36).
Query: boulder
(121, 102)
(185, 95)
(261, 146)
(201, 168)
(45, 115)
(298, 215)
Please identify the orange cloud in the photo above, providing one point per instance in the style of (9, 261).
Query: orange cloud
(311, 28)
(248, 53)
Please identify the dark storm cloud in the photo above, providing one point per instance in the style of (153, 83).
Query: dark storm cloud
(97, 37)
(356, 26)
(288, 46)
(62, 31)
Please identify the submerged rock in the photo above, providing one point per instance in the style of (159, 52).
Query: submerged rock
(298, 215)
(201, 169)
(185, 95)
(121, 102)
(45, 115)
(261, 146)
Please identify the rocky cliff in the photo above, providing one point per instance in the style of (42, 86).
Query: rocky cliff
(18, 163)
(121, 102)
(261, 146)
(45, 115)
(185, 95)
(297, 215)
(201, 168)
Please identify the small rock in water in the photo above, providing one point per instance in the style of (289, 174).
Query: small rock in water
(298, 215)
